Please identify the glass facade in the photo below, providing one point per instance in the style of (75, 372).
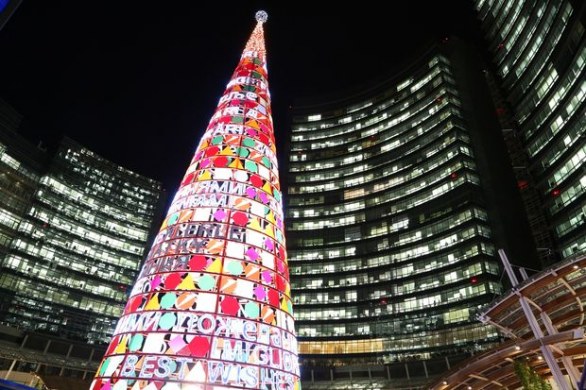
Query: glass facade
(20, 167)
(539, 51)
(390, 247)
(78, 245)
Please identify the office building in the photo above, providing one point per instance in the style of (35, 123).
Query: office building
(537, 78)
(79, 246)
(20, 168)
(538, 50)
(349, 205)
(73, 231)
(393, 223)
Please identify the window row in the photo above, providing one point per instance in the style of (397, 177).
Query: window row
(572, 78)
(381, 229)
(386, 100)
(43, 292)
(430, 101)
(394, 287)
(445, 298)
(408, 254)
(517, 58)
(53, 275)
(17, 166)
(421, 338)
(82, 155)
(373, 186)
(558, 124)
(384, 134)
(399, 204)
(505, 22)
(56, 222)
(454, 255)
(83, 218)
(545, 45)
(557, 148)
(58, 246)
(435, 153)
(127, 214)
(543, 42)
(427, 145)
(571, 165)
(571, 222)
(569, 195)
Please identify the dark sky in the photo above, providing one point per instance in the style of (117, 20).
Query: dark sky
(137, 81)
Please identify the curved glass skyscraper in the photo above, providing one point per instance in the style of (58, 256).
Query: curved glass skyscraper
(389, 239)
(539, 53)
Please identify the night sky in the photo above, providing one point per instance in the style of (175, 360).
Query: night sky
(137, 81)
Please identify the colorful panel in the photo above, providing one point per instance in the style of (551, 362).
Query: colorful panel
(211, 308)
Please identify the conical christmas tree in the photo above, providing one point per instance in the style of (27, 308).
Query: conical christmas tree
(211, 307)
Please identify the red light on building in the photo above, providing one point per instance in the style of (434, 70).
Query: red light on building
(454, 175)
(473, 280)
(556, 192)
(522, 184)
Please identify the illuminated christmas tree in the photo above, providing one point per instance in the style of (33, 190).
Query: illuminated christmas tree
(211, 308)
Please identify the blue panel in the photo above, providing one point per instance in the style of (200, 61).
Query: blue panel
(6, 384)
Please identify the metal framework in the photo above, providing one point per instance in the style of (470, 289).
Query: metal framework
(544, 314)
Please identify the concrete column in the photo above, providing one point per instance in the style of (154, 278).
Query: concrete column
(24, 340)
(39, 365)
(10, 369)
(88, 360)
(66, 357)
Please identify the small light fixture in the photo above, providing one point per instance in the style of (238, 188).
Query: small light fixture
(517, 348)
(540, 357)
(445, 383)
(575, 266)
(469, 387)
